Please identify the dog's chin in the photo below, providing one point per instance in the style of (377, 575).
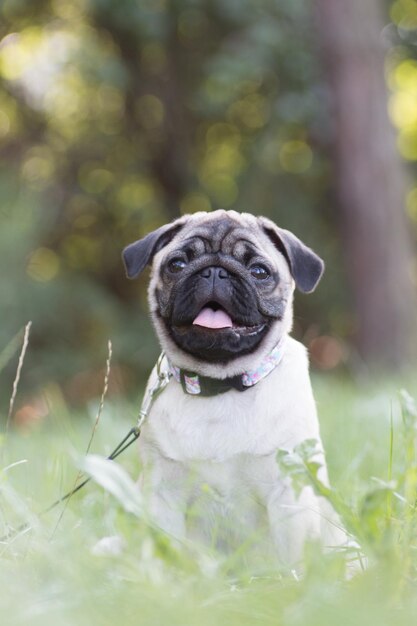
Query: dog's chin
(218, 345)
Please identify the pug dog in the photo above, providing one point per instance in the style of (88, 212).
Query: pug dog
(221, 301)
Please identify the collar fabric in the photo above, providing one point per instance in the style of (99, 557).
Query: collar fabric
(196, 385)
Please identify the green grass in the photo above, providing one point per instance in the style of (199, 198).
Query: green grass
(48, 575)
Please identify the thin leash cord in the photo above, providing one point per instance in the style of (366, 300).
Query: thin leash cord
(132, 436)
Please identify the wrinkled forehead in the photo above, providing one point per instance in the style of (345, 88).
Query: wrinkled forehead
(223, 234)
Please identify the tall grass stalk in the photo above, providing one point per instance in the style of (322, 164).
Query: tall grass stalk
(10, 349)
(93, 432)
(18, 373)
(390, 466)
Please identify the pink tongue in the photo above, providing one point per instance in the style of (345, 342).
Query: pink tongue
(213, 319)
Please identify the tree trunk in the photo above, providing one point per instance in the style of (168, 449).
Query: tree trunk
(369, 180)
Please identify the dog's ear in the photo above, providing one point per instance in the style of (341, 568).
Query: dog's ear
(305, 265)
(139, 254)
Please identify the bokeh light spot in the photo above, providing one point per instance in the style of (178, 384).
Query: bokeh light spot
(404, 13)
(135, 193)
(296, 156)
(222, 188)
(194, 202)
(251, 111)
(81, 251)
(67, 10)
(16, 53)
(43, 265)
(403, 108)
(94, 180)
(405, 76)
(407, 143)
(224, 158)
(327, 352)
(37, 170)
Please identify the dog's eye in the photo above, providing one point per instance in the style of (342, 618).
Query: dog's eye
(176, 265)
(259, 272)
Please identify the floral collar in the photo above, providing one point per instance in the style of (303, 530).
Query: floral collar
(196, 385)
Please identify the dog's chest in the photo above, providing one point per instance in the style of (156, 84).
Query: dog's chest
(277, 412)
(230, 424)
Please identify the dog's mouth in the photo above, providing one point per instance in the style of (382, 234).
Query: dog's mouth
(214, 318)
(214, 334)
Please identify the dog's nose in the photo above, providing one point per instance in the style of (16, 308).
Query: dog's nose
(214, 272)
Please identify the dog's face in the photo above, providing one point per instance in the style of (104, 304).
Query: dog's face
(221, 287)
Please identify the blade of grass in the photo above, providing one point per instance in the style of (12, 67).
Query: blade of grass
(93, 432)
(390, 462)
(11, 348)
(18, 373)
(103, 395)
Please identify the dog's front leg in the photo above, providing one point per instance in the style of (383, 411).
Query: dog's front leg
(292, 521)
(163, 486)
(166, 512)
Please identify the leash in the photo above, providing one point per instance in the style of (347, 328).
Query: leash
(151, 394)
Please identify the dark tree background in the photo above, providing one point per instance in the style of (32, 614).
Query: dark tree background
(118, 115)
(370, 181)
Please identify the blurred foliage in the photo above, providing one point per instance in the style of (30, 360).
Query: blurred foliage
(55, 574)
(118, 115)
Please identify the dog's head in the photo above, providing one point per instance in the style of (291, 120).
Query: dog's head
(221, 287)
